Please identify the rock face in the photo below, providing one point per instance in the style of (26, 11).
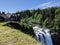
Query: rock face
(56, 37)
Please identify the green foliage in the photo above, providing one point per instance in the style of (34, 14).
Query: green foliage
(57, 20)
(48, 17)
(45, 22)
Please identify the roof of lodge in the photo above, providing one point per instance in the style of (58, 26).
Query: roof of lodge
(5, 15)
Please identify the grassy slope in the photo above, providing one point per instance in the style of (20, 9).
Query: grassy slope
(9, 36)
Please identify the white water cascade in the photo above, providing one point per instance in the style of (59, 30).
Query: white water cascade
(43, 35)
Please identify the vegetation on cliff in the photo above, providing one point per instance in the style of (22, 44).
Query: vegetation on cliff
(48, 17)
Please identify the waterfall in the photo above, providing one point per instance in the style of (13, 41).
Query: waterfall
(43, 35)
(48, 37)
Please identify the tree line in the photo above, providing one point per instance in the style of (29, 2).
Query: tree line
(49, 17)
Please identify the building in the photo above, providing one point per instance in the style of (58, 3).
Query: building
(9, 17)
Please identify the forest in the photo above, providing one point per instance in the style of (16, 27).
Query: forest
(46, 18)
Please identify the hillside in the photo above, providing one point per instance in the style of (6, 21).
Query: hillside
(11, 36)
(46, 18)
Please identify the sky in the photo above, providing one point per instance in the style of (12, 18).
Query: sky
(19, 5)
